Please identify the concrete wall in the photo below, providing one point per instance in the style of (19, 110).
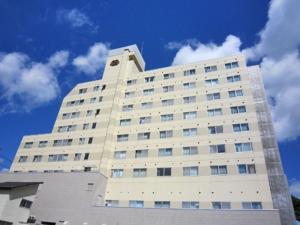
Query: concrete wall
(10, 203)
(69, 197)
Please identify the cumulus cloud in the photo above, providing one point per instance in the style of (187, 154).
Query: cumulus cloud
(278, 54)
(26, 84)
(295, 188)
(280, 35)
(195, 51)
(94, 60)
(282, 82)
(59, 59)
(75, 18)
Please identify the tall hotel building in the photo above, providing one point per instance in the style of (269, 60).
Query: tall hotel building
(147, 147)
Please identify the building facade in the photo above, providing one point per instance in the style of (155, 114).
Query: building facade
(195, 136)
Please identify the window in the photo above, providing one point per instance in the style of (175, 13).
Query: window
(57, 158)
(140, 172)
(221, 205)
(66, 116)
(208, 69)
(25, 204)
(62, 142)
(129, 94)
(43, 144)
(82, 90)
(96, 88)
(190, 85)
(89, 112)
(94, 125)
(234, 78)
(100, 98)
(81, 141)
(235, 93)
(23, 159)
(127, 108)
(168, 88)
(190, 205)
(87, 169)
(169, 76)
(66, 128)
(190, 115)
(117, 173)
(136, 204)
(93, 100)
(218, 170)
(190, 171)
(211, 82)
(217, 148)
(75, 114)
(231, 65)
(90, 141)
(163, 172)
(143, 136)
(165, 152)
(252, 205)
(141, 153)
(149, 79)
(85, 126)
(103, 87)
(243, 147)
(148, 91)
(213, 96)
(214, 112)
(146, 119)
(122, 137)
(120, 154)
(162, 204)
(167, 102)
(238, 109)
(240, 127)
(97, 112)
(189, 99)
(189, 72)
(190, 150)
(125, 122)
(77, 156)
(62, 157)
(166, 117)
(246, 169)
(190, 132)
(147, 105)
(28, 144)
(86, 156)
(131, 82)
(37, 158)
(215, 129)
(166, 134)
(112, 203)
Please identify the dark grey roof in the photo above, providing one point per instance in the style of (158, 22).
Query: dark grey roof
(10, 185)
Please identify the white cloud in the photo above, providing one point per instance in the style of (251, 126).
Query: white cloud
(295, 188)
(94, 60)
(281, 34)
(282, 82)
(59, 59)
(75, 18)
(196, 51)
(278, 51)
(26, 84)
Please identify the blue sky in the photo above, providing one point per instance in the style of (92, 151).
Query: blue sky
(46, 47)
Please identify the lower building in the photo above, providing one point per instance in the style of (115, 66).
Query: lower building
(78, 199)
